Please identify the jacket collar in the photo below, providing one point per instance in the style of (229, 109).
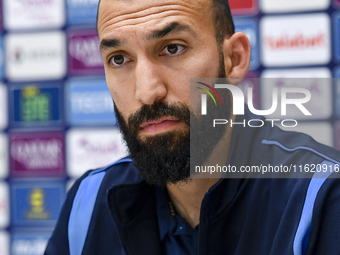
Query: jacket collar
(133, 206)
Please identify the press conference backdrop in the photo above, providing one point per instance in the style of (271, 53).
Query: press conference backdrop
(56, 114)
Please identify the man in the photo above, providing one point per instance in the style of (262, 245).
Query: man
(151, 49)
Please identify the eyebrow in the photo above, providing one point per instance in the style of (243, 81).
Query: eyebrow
(171, 28)
(109, 43)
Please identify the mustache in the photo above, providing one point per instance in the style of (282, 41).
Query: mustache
(158, 110)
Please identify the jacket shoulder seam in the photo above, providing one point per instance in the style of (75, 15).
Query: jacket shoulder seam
(105, 168)
(306, 148)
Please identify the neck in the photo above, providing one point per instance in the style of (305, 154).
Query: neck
(187, 196)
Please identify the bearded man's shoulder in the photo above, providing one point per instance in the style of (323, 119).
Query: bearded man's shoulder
(86, 210)
(122, 171)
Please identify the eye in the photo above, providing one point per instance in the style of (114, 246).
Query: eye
(119, 60)
(172, 49)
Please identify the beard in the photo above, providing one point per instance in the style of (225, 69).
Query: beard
(165, 158)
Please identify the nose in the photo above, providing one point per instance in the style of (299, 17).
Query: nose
(150, 86)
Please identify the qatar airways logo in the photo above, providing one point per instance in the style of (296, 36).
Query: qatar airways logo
(38, 154)
(86, 50)
(239, 101)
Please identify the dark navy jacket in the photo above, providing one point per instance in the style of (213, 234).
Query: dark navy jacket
(238, 216)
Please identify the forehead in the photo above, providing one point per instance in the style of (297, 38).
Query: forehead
(122, 15)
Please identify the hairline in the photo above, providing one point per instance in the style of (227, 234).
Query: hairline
(229, 31)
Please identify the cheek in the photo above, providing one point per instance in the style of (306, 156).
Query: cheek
(204, 62)
(121, 96)
(206, 66)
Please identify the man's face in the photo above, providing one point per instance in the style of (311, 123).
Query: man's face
(151, 49)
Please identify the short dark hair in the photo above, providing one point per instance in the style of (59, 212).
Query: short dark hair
(223, 20)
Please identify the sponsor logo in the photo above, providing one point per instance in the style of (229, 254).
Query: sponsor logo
(316, 80)
(93, 148)
(89, 102)
(23, 14)
(293, 5)
(295, 40)
(36, 203)
(243, 7)
(35, 56)
(3, 107)
(4, 205)
(82, 12)
(249, 27)
(37, 154)
(29, 243)
(41, 55)
(3, 155)
(84, 55)
(36, 105)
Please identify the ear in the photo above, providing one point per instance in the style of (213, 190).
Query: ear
(236, 50)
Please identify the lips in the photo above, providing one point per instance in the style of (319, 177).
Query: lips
(159, 125)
